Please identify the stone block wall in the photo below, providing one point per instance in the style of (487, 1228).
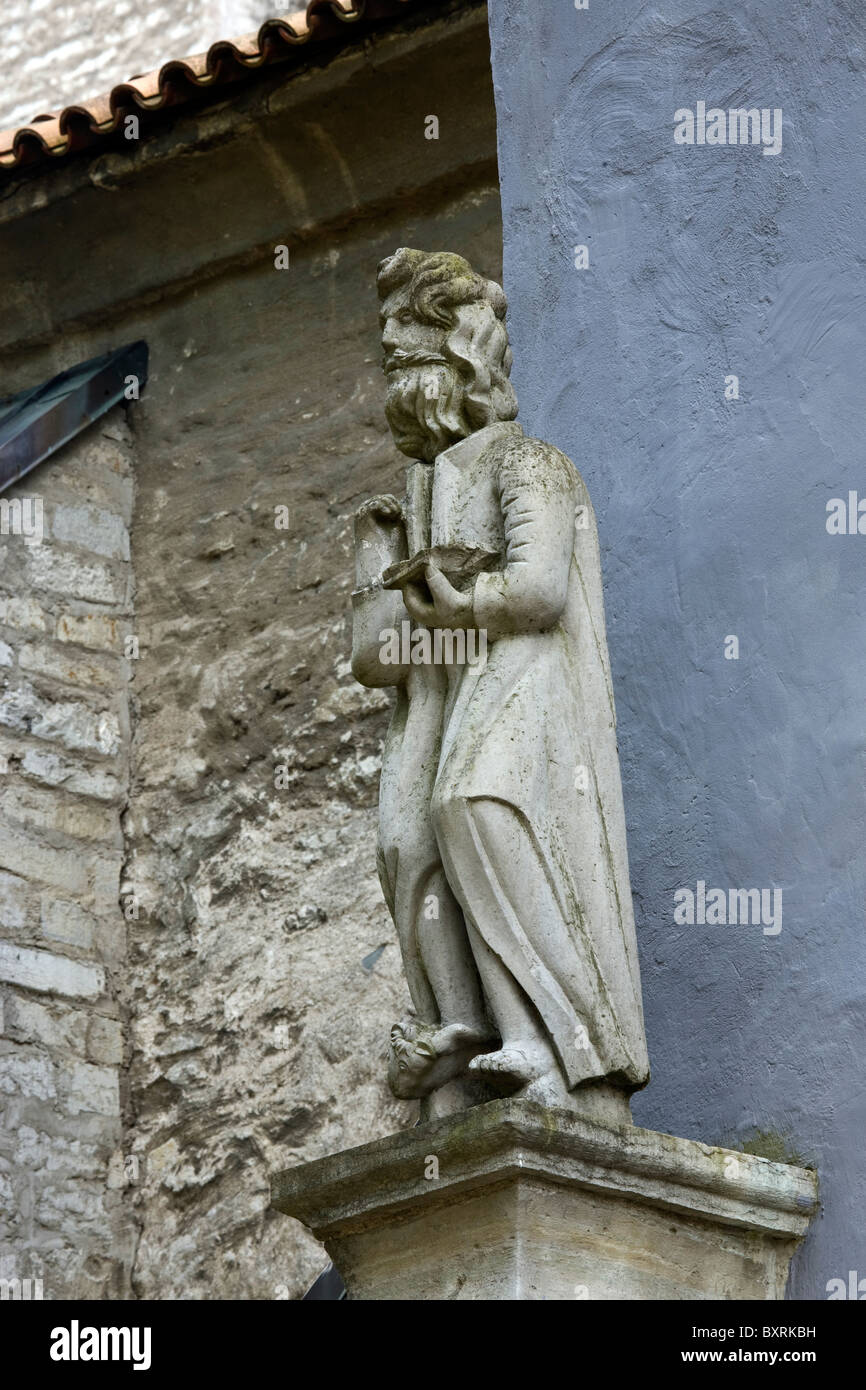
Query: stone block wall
(65, 616)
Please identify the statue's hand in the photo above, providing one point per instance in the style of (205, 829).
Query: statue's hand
(384, 508)
(450, 608)
(380, 541)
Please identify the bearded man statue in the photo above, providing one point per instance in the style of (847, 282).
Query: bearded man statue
(502, 844)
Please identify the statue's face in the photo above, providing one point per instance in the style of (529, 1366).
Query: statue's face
(402, 331)
(424, 399)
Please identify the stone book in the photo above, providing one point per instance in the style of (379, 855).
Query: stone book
(457, 562)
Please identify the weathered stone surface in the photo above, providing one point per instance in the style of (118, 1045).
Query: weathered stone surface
(90, 630)
(517, 1201)
(72, 574)
(66, 869)
(62, 664)
(27, 1074)
(67, 922)
(42, 971)
(48, 1022)
(44, 811)
(90, 1088)
(105, 1040)
(90, 528)
(15, 899)
(21, 611)
(43, 765)
(72, 723)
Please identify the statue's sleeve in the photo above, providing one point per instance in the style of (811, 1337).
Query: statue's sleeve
(377, 619)
(537, 492)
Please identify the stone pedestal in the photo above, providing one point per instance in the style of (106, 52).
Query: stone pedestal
(514, 1201)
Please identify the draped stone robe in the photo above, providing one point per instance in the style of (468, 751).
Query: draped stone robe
(506, 772)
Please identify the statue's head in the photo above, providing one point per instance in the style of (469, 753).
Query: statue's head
(447, 357)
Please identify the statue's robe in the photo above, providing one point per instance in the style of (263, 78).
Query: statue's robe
(507, 771)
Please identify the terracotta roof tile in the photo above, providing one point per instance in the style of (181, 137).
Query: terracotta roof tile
(86, 123)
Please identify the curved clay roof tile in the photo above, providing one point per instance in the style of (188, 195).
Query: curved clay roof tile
(83, 124)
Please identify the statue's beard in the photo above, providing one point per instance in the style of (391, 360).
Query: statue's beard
(424, 404)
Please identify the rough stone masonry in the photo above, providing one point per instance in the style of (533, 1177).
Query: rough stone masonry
(65, 615)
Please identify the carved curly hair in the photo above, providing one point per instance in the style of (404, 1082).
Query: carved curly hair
(441, 284)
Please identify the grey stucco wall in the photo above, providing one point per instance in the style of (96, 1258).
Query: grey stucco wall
(748, 773)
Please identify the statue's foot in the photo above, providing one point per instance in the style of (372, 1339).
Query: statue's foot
(424, 1056)
(453, 1036)
(512, 1068)
(443, 1037)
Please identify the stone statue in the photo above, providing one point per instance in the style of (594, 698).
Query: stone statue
(502, 845)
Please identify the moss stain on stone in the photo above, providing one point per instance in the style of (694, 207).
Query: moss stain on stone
(777, 1147)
